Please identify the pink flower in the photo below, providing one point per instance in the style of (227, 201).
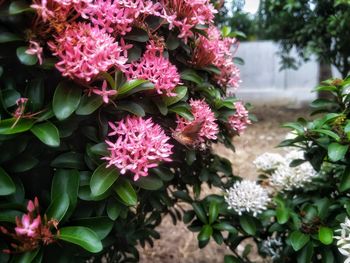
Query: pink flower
(28, 226)
(204, 117)
(217, 51)
(189, 13)
(35, 49)
(137, 145)
(153, 66)
(85, 51)
(103, 92)
(239, 120)
(21, 106)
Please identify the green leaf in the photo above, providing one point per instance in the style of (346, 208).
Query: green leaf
(345, 180)
(295, 126)
(23, 162)
(149, 183)
(126, 192)
(26, 257)
(231, 259)
(298, 240)
(305, 256)
(36, 94)
(9, 215)
(142, 87)
(328, 133)
(81, 236)
(183, 110)
(327, 256)
(69, 160)
(192, 76)
(248, 224)
(99, 149)
(66, 99)
(198, 209)
(337, 151)
(103, 178)
(131, 107)
(213, 212)
(25, 58)
(226, 226)
(58, 207)
(172, 42)
(137, 34)
(66, 181)
(88, 104)
(47, 133)
(113, 209)
(325, 234)
(181, 92)
(9, 126)
(17, 7)
(6, 37)
(282, 212)
(130, 85)
(102, 226)
(7, 186)
(205, 233)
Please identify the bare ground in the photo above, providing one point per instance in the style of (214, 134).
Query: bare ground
(177, 243)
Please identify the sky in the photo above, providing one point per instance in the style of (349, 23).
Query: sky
(251, 6)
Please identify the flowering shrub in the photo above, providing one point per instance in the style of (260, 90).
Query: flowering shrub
(299, 208)
(107, 114)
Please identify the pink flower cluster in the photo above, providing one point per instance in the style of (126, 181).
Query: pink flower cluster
(85, 51)
(136, 145)
(204, 117)
(189, 13)
(239, 120)
(217, 51)
(31, 230)
(153, 66)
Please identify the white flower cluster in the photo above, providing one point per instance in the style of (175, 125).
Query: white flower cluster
(343, 242)
(272, 247)
(247, 196)
(283, 176)
(268, 161)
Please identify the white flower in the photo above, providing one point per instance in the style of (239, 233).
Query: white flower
(247, 196)
(268, 161)
(343, 242)
(288, 178)
(272, 247)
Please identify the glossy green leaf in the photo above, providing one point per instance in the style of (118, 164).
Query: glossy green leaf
(81, 236)
(11, 126)
(88, 104)
(69, 160)
(17, 7)
(129, 85)
(6, 37)
(149, 183)
(192, 76)
(66, 99)
(103, 178)
(9, 215)
(225, 226)
(305, 256)
(328, 133)
(248, 224)
(66, 181)
(113, 209)
(36, 94)
(47, 133)
(23, 162)
(172, 42)
(337, 151)
(198, 209)
(126, 192)
(325, 235)
(137, 34)
(282, 212)
(131, 107)
(58, 207)
(345, 180)
(7, 186)
(231, 259)
(9, 97)
(183, 110)
(298, 240)
(213, 212)
(181, 92)
(102, 226)
(205, 233)
(25, 58)
(26, 257)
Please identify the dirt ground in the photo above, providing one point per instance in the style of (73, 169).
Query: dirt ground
(177, 243)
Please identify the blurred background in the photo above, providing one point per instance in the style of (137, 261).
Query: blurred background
(286, 48)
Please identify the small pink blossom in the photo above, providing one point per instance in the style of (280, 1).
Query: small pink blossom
(153, 66)
(28, 226)
(239, 121)
(103, 92)
(204, 116)
(136, 145)
(21, 106)
(85, 51)
(35, 49)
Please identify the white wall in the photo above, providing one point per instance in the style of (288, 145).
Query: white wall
(263, 82)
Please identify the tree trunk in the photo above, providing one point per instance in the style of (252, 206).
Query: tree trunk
(324, 73)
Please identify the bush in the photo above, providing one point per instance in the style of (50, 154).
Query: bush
(299, 209)
(108, 110)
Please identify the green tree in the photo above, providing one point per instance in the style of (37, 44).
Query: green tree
(319, 27)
